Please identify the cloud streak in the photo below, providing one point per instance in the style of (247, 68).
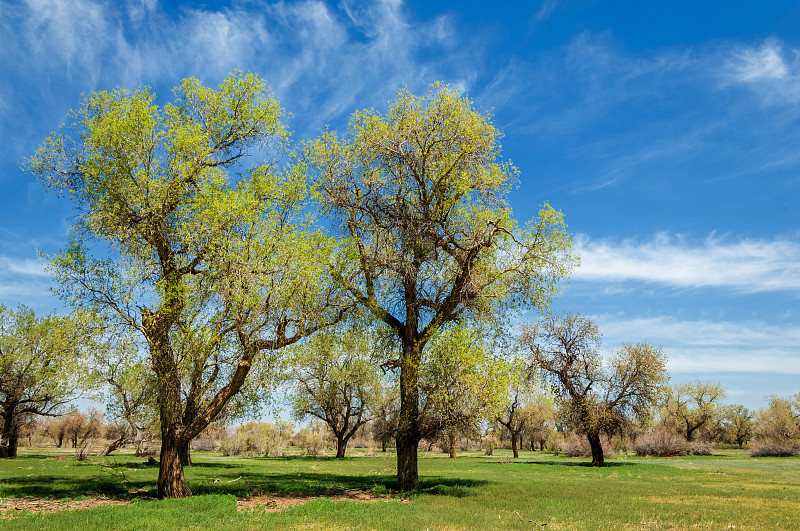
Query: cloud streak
(704, 346)
(745, 266)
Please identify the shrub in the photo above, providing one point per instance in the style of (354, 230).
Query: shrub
(311, 440)
(255, 439)
(575, 445)
(774, 447)
(701, 448)
(661, 442)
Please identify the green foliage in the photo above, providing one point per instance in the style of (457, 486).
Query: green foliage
(691, 408)
(258, 439)
(42, 366)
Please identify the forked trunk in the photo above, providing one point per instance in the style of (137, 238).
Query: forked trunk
(514, 449)
(597, 449)
(171, 482)
(452, 440)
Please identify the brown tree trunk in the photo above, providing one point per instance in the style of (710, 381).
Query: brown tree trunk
(514, 449)
(383, 445)
(113, 447)
(171, 482)
(186, 453)
(341, 446)
(597, 449)
(451, 436)
(408, 430)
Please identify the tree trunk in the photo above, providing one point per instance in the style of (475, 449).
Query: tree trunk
(514, 449)
(171, 482)
(60, 440)
(383, 445)
(341, 446)
(9, 439)
(186, 454)
(597, 449)
(408, 430)
(452, 439)
(113, 447)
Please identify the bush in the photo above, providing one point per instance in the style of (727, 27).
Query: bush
(701, 448)
(575, 445)
(661, 442)
(774, 447)
(311, 440)
(255, 439)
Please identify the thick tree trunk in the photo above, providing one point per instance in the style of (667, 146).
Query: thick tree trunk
(407, 473)
(60, 441)
(171, 482)
(341, 446)
(383, 446)
(408, 432)
(514, 449)
(186, 453)
(597, 449)
(452, 440)
(10, 439)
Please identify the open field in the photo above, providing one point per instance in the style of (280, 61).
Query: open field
(729, 490)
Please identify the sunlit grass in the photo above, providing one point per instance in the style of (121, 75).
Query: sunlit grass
(727, 490)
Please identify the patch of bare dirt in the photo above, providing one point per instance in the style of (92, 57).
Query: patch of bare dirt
(11, 507)
(279, 502)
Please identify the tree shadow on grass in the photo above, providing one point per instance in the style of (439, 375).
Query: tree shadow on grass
(587, 464)
(55, 487)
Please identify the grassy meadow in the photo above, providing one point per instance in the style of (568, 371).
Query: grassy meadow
(729, 490)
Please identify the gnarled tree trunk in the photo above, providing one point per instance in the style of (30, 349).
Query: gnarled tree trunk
(171, 482)
(408, 431)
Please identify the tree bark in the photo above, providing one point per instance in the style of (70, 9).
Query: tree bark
(113, 446)
(408, 432)
(171, 482)
(451, 436)
(514, 448)
(597, 449)
(341, 446)
(10, 439)
(186, 453)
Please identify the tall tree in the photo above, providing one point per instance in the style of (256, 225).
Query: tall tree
(208, 261)
(41, 367)
(335, 380)
(691, 406)
(596, 397)
(420, 193)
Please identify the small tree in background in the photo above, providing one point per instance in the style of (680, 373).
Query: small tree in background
(524, 405)
(41, 367)
(596, 397)
(737, 423)
(336, 381)
(691, 407)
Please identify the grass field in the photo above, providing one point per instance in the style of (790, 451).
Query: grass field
(728, 490)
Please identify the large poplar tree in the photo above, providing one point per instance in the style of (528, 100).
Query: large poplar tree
(421, 193)
(211, 261)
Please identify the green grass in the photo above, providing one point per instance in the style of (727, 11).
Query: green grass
(727, 490)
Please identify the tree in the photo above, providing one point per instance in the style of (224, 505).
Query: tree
(737, 421)
(420, 194)
(596, 397)
(336, 382)
(690, 407)
(208, 269)
(40, 367)
(524, 404)
(460, 383)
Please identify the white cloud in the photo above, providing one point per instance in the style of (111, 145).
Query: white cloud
(769, 69)
(747, 266)
(24, 266)
(704, 346)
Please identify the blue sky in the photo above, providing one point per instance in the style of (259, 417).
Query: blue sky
(667, 133)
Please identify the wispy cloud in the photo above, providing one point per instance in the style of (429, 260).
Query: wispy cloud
(704, 346)
(747, 266)
(770, 69)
